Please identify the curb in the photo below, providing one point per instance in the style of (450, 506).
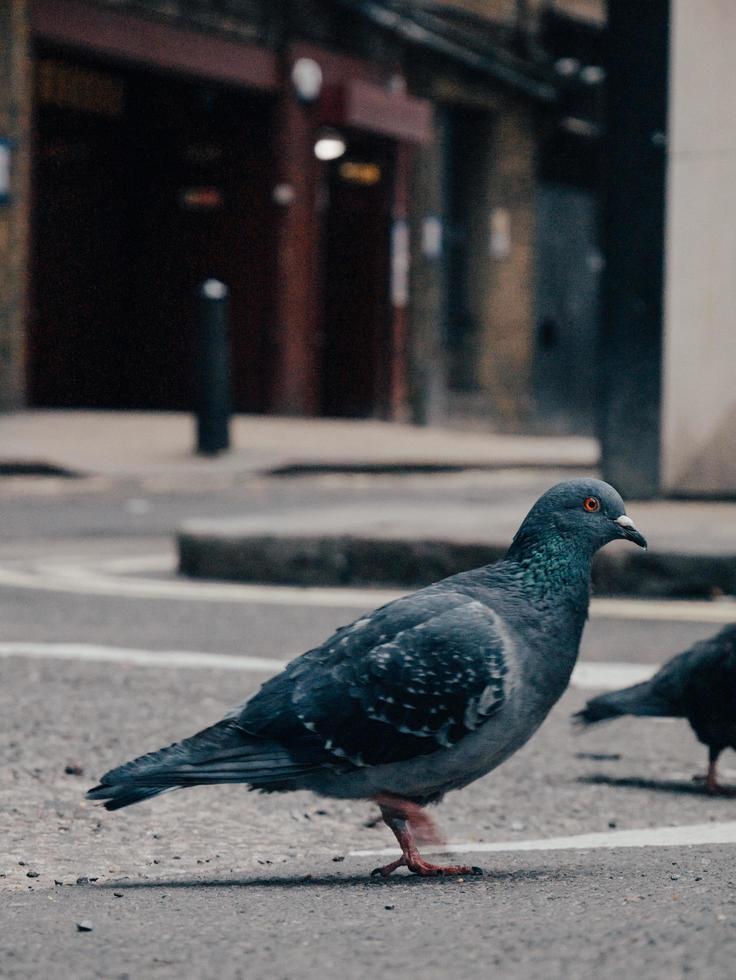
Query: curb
(346, 560)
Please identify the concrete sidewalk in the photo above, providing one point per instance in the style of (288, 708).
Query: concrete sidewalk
(145, 444)
(468, 521)
(481, 484)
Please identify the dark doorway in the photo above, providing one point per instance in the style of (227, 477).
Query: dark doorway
(143, 187)
(356, 306)
(467, 154)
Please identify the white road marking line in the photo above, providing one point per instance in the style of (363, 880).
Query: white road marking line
(694, 834)
(608, 676)
(92, 653)
(585, 677)
(665, 610)
(113, 577)
(83, 582)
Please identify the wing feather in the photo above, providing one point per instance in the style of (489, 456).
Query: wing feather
(413, 677)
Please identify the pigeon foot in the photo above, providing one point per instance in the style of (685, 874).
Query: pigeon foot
(712, 786)
(418, 866)
(403, 817)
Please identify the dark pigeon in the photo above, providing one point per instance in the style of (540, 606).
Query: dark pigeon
(699, 684)
(421, 696)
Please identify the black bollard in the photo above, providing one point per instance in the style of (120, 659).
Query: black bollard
(212, 369)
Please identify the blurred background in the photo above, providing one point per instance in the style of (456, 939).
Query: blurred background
(504, 215)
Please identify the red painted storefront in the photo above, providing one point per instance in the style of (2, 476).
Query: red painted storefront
(163, 156)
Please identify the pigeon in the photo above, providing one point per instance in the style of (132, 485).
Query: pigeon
(699, 684)
(421, 696)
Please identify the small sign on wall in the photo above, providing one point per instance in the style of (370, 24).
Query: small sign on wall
(400, 263)
(201, 198)
(431, 237)
(500, 233)
(4, 171)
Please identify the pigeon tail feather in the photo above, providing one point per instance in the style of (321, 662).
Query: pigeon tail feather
(640, 700)
(223, 753)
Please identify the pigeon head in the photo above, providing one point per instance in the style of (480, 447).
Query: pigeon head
(584, 513)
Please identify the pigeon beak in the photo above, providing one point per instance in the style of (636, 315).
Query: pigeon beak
(627, 529)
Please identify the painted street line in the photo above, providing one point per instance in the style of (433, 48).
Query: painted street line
(665, 610)
(586, 676)
(702, 833)
(93, 653)
(126, 577)
(608, 676)
(86, 581)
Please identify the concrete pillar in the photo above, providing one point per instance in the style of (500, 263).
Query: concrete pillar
(15, 99)
(699, 369)
(631, 330)
(668, 355)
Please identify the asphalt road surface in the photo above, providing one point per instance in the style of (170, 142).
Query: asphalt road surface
(602, 856)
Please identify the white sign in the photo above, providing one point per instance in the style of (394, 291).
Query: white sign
(4, 170)
(500, 233)
(431, 237)
(400, 263)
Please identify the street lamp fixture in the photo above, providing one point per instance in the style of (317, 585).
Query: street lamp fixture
(329, 145)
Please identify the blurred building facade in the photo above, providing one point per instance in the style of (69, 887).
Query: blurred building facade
(445, 266)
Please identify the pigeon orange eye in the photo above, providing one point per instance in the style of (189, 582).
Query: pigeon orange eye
(592, 504)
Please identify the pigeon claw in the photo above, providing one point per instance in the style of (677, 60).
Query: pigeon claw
(419, 866)
(409, 823)
(424, 869)
(712, 787)
(388, 869)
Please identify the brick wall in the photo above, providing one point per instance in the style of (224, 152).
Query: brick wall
(506, 281)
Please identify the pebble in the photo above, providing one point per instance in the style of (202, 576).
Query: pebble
(73, 769)
(85, 926)
(32, 874)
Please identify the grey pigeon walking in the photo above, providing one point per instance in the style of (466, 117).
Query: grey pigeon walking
(699, 684)
(421, 696)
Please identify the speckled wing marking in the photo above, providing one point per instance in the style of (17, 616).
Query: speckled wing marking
(376, 694)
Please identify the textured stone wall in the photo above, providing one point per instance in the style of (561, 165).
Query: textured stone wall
(14, 125)
(502, 266)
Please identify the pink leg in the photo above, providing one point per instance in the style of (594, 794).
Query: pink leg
(711, 780)
(424, 828)
(402, 817)
(712, 786)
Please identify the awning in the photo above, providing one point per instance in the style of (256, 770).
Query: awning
(369, 107)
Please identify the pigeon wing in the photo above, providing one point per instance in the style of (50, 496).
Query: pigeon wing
(401, 683)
